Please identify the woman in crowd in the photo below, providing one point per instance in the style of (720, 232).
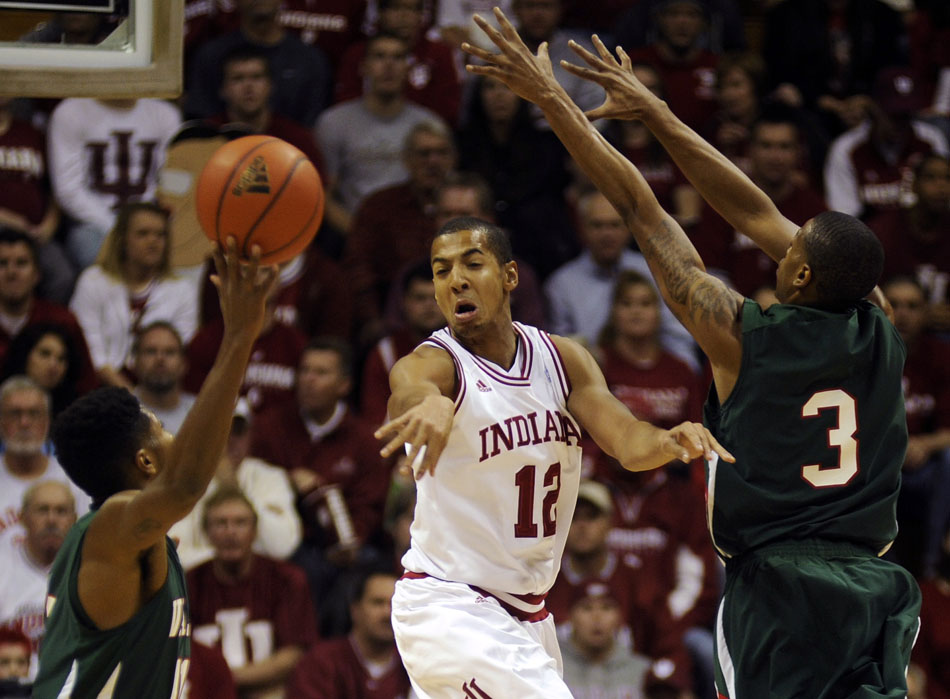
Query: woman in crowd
(47, 354)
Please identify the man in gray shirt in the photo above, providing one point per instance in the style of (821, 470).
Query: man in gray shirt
(158, 360)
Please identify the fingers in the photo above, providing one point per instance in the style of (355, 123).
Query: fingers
(479, 52)
(625, 61)
(724, 453)
(586, 55)
(582, 72)
(603, 50)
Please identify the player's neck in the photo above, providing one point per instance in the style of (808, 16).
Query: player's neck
(498, 343)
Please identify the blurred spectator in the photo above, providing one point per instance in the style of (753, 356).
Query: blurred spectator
(246, 87)
(774, 164)
(363, 139)
(421, 317)
(102, 155)
(870, 168)
(725, 24)
(313, 295)
(26, 201)
(820, 53)
(656, 386)
(916, 238)
(525, 168)
(932, 650)
(579, 292)
(686, 67)
(453, 20)
(46, 353)
(269, 377)
(393, 226)
(21, 309)
(209, 676)
(301, 75)
(433, 80)
(131, 287)
(638, 619)
(333, 462)
(595, 664)
(641, 147)
(740, 80)
(267, 488)
(14, 664)
(255, 609)
(26, 556)
(24, 431)
(158, 362)
(538, 21)
(365, 664)
(923, 507)
(660, 521)
(330, 25)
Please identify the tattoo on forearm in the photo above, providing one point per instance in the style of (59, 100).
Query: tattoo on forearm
(705, 298)
(146, 527)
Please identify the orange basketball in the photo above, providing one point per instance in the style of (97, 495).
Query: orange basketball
(262, 191)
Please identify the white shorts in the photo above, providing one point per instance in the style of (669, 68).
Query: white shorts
(458, 643)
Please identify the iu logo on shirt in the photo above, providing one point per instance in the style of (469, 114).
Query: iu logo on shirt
(473, 691)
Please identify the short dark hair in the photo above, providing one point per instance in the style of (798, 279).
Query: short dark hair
(328, 343)
(242, 53)
(9, 236)
(363, 575)
(845, 256)
(383, 34)
(18, 355)
(96, 439)
(498, 242)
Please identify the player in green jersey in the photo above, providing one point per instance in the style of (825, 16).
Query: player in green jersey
(807, 396)
(117, 618)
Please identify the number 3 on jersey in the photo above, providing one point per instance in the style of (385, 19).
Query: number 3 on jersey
(526, 527)
(841, 436)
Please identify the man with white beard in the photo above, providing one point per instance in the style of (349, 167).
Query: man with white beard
(25, 459)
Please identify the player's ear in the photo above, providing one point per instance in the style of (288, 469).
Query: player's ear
(803, 277)
(511, 275)
(145, 462)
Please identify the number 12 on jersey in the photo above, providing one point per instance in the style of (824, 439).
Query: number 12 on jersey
(526, 527)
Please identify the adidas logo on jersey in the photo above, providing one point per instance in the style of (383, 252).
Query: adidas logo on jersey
(482, 386)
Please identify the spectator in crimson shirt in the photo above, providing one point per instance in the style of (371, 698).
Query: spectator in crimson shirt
(687, 68)
(20, 307)
(774, 164)
(255, 609)
(916, 239)
(26, 200)
(209, 676)
(246, 87)
(333, 462)
(364, 664)
(923, 507)
(932, 650)
(589, 566)
(433, 80)
(269, 377)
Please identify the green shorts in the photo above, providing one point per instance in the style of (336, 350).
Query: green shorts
(815, 620)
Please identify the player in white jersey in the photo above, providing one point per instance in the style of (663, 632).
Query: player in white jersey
(498, 408)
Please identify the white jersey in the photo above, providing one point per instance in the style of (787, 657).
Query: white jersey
(497, 511)
(22, 591)
(13, 488)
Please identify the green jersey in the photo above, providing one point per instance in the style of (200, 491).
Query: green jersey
(146, 657)
(816, 423)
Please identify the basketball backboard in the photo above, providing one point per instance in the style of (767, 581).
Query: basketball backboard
(140, 57)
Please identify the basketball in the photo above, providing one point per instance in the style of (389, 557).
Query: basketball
(263, 191)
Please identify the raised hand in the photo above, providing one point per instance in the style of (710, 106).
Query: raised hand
(627, 97)
(243, 287)
(424, 428)
(528, 75)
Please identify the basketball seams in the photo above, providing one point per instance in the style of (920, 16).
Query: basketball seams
(223, 194)
(317, 209)
(249, 235)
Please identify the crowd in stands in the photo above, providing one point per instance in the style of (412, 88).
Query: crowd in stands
(294, 550)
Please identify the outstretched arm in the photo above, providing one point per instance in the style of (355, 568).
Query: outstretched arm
(727, 189)
(637, 445)
(708, 309)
